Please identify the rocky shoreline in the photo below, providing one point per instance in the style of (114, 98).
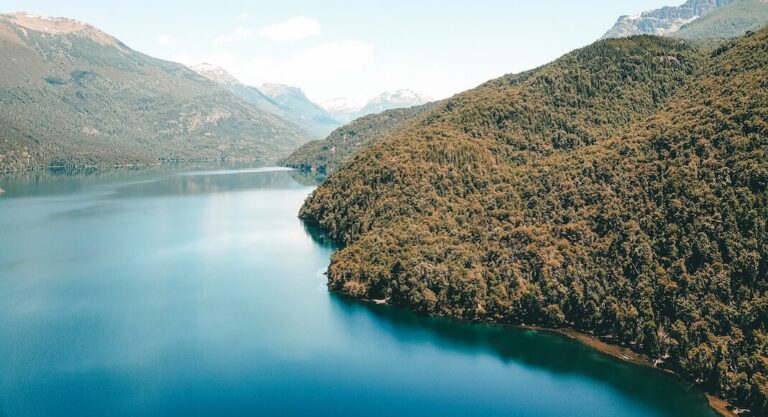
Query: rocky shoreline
(721, 406)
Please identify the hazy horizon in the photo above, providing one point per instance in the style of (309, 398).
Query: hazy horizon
(369, 50)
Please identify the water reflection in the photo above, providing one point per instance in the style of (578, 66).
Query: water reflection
(174, 293)
(193, 183)
(55, 181)
(533, 348)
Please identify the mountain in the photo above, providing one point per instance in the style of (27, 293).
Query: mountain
(71, 94)
(346, 110)
(215, 73)
(387, 101)
(728, 21)
(665, 20)
(621, 190)
(322, 157)
(300, 109)
(250, 95)
(286, 102)
(342, 109)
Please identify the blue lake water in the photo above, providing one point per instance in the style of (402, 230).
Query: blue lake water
(181, 291)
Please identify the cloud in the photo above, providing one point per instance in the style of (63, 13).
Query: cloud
(343, 69)
(323, 70)
(238, 34)
(164, 40)
(291, 30)
(242, 17)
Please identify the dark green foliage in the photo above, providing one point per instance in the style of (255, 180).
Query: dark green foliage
(321, 157)
(620, 190)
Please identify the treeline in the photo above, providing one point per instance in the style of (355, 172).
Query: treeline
(620, 190)
(319, 158)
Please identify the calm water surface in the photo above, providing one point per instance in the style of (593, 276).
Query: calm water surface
(191, 292)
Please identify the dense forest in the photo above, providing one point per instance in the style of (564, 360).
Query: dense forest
(620, 191)
(321, 157)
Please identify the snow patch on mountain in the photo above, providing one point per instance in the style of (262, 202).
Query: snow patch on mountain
(346, 110)
(214, 73)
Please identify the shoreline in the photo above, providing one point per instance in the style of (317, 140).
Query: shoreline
(35, 168)
(719, 405)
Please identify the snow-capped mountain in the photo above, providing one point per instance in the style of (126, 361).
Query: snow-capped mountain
(292, 104)
(342, 108)
(398, 99)
(665, 20)
(347, 110)
(215, 73)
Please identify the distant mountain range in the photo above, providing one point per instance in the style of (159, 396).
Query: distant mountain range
(289, 103)
(73, 95)
(345, 110)
(696, 19)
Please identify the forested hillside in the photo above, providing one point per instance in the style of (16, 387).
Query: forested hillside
(73, 95)
(620, 190)
(321, 157)
(729, 21)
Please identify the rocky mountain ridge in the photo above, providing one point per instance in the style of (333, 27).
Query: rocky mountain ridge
(665, 20)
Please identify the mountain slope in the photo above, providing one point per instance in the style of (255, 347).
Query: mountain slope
(664, 20)
(620, 190)
(300, 109)
(73, 95)
(247, 93)
(728, 21)
(322, 157)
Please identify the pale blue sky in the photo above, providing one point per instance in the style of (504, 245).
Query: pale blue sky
(353, 49)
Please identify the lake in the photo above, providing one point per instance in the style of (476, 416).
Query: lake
(196, 291)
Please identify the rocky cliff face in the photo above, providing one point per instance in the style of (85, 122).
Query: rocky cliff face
(665, 20)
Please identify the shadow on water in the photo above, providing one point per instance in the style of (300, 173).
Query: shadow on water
(527, 347)
(513, 345)
(531, 348)
(319, 237)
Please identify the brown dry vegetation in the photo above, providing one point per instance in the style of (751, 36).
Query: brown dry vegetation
(620, 190)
